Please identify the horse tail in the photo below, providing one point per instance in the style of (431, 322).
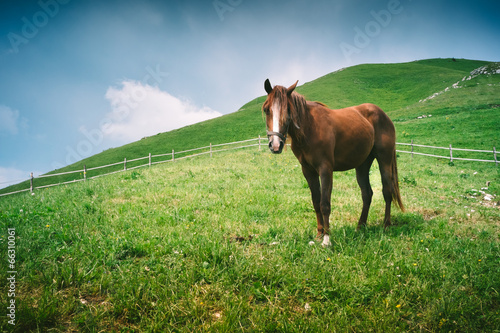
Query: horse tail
(396, 196)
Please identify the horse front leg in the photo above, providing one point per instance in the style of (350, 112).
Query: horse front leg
(326, 175)
(312, 178)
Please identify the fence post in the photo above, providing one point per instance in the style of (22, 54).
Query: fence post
(85, 172)
(210, 149)
(495, 156)
(125, 164)
(451, 154)
(411, 148)
(173, 155)
(149, 159)
(31, 182)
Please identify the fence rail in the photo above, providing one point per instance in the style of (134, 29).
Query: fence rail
(450, 149)
(211, 149)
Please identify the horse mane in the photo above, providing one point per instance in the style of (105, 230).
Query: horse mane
(298, 115)
(320, 103)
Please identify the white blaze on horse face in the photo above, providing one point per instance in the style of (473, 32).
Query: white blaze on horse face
(276, 109)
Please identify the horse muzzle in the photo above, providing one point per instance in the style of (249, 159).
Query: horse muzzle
(276, 142)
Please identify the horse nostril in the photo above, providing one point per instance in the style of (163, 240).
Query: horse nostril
(276, 142)
(280, 148)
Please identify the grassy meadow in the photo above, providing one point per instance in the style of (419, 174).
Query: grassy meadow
(226, 243)
(222, 244)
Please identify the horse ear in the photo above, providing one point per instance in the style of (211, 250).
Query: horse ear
(291, 88)
(268, 87)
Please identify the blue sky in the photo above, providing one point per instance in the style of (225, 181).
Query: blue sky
(78, 77)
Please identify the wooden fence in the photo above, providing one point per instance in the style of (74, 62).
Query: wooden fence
(131, 164)
(173, 156)
(451, 156)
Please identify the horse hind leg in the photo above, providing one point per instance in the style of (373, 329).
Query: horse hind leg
(386, 173)
(363, 178)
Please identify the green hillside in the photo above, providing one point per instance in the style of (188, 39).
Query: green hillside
(396, 88)
(390, 86)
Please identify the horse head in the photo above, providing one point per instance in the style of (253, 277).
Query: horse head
(277, 110)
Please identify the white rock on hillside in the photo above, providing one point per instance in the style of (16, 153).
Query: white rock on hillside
(490, 69)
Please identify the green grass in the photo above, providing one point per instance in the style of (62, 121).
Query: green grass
(222, 244)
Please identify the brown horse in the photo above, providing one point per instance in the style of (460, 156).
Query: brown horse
(325, 140)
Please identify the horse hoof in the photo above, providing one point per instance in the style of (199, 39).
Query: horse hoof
(326, 241)
(361, 226)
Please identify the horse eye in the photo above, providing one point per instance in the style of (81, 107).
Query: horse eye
(266, 110)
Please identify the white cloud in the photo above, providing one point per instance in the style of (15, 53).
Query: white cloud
(10, 122)
(140, 110)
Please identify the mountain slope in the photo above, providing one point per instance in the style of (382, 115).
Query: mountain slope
(399, 89)
(394, 87)
(391, 86)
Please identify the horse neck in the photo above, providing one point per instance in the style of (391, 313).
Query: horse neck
(300, 117)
